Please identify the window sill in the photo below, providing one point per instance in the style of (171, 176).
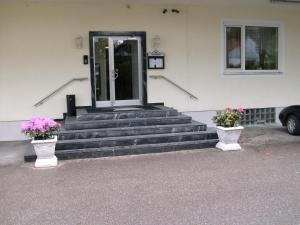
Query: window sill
(252, 73)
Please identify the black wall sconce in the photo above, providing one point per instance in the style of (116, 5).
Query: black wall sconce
(175, 11)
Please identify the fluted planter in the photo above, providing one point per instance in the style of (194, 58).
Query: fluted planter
(228, 138)
(45, 152)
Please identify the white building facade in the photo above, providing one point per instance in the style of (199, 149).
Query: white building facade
(239, 54)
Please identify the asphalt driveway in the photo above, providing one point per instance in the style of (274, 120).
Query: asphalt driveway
(259, 185)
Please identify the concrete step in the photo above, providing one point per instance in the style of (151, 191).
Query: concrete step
(127, 114)
(135, 140)
(130, 150)
(132, 122)
(131, 131)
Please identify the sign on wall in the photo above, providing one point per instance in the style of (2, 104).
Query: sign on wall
(156, 61)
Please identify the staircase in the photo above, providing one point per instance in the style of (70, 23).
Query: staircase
(122, 131)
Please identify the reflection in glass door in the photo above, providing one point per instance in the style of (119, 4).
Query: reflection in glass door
(101, 70)
(117, 71)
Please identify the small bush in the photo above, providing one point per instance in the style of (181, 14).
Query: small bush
(228, 117)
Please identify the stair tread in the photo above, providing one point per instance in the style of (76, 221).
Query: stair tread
(193, 123)
(143, 146)
(129, 150)
(127, 119)
(209, 131)
(115, 148)
(127, 111)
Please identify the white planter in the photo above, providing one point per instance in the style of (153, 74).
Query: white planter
(228, 138)
(45, 152)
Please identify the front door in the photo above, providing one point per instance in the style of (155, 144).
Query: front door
(117, 71)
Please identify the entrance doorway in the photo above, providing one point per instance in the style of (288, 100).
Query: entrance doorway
(117, 70)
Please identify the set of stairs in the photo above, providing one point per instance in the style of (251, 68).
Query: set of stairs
(128, 132)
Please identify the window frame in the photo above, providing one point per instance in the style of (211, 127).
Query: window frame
(243, 24)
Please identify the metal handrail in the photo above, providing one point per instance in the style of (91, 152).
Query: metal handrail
(58, 89)
(176, 85)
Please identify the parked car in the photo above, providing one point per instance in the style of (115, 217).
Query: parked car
(290, 118)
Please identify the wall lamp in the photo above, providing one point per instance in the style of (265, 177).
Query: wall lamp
(176, 11)
(79, 42)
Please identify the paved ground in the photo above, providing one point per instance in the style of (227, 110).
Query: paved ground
(259, 185)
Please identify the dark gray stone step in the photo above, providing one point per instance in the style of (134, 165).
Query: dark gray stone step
(134, 140)
(127, 114)
(131, 131)
(83, 125)
(130, 150)
(127, 108)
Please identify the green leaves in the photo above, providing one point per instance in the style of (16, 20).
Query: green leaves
(228, 117)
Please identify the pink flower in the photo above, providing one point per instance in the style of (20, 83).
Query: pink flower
(229, 109)
(25, 126)
(241, 110)
(40, 125)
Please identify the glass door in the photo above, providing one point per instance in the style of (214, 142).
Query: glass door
(117, 71)
(102, 71)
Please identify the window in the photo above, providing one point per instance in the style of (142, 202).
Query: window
(233, 47)
(251, 48)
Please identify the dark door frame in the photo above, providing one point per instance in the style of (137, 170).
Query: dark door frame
(140, 34)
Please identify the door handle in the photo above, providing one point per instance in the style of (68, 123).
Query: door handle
(115, 73)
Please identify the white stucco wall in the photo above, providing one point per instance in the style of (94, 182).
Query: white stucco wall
(38, 54)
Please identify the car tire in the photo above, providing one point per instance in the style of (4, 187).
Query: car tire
(293, 125)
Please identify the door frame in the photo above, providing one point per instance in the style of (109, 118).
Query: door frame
(140, 34)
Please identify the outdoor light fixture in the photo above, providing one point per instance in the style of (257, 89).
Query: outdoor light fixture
(175, 11)
(172, 11)
(156, 59)
(79, 42)
(156, 42)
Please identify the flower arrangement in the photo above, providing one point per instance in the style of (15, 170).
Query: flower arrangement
(40, 128)
(228, 117)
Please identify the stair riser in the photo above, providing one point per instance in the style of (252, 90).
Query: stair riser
(130, 132)
(135, 141)
(136, 151)
(127, 115)
(126, 123)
